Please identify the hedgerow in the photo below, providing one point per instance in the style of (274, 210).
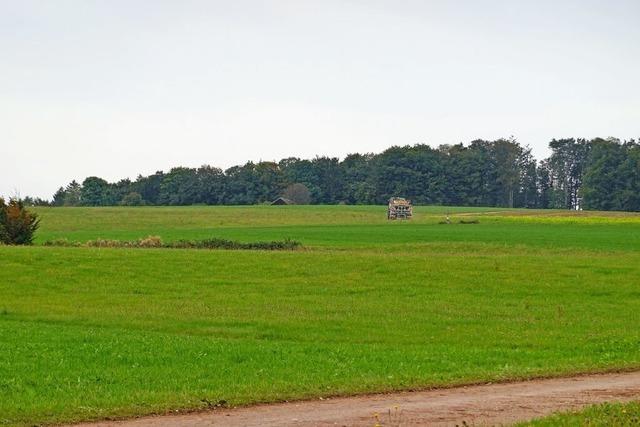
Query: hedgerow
(156, 242)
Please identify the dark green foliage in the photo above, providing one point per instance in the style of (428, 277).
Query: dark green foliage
(286, 244)
(58, 197)
(241, 185)
(121, 189)
(330, 180)
(414, 172)
(96, 192)
(179, 187)
(253, 183)
(612, 178)
(303, 172)
(566, 166)
(358, 188)
(149, 187)
(35, 201)
(17, 224)
(508, 168)
(211, 183)
(72, 194)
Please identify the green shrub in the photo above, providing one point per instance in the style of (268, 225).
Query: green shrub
(17, 224)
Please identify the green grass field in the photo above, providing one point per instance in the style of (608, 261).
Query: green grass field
(366, 305)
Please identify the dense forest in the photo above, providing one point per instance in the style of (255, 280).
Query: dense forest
(602, 174)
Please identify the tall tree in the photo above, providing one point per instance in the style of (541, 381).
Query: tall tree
(211, 185)
(358, 186)
(611, 176)
(566, 164)
(179, 187)
(507, 160)
(149, 187)
(58, 197)
(72, 194)
(96, 192)
(330, 184)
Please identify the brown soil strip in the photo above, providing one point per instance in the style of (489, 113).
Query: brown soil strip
(490, 404)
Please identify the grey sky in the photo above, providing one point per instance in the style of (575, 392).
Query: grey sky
(116, 88)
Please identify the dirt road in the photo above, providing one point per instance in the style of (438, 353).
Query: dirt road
(489, 404)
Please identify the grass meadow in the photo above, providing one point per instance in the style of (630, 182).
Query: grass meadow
(366, 305)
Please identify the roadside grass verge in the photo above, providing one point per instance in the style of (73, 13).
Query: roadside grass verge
(605, 415)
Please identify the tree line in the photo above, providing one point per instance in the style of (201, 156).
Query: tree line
(598, 174)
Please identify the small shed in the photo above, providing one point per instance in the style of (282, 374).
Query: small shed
(283, 201)
(399, 208)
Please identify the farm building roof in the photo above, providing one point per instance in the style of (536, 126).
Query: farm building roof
(283, 201)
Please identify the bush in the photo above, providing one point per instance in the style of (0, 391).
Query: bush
(17, 224)
(150, 242)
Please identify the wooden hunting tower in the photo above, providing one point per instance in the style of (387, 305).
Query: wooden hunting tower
(399, 208)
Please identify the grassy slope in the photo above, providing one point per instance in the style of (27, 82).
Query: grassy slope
(349, 227)
(367, 306)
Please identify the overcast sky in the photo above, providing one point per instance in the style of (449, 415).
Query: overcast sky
(118, 88)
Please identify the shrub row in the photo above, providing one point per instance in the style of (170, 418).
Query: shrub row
(156, 242)
(286, 244)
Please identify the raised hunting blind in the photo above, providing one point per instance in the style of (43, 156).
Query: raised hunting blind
(399, 208)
